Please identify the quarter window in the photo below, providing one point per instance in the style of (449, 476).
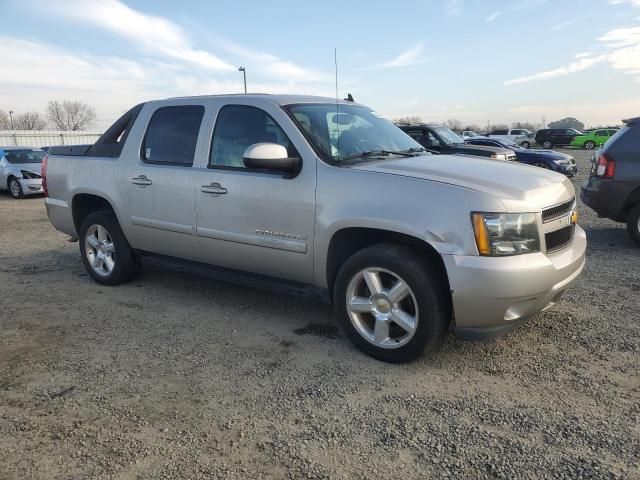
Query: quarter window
(172, 135)
(239, 127)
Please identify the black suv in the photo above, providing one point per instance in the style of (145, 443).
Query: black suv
(613, 189)
(556, 137)
(440, 139)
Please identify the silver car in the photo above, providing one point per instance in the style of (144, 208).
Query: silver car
(20, 170)
(310, 195)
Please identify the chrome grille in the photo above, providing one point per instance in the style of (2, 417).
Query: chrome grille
(559, 239)
(558, 210)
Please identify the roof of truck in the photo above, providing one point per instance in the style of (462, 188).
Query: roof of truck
(278, 99)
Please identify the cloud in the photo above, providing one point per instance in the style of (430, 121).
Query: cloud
(573, 67)
(562, 25)
(151, 33)
(625, 46)
(411, 56)
(635, 3)
(492, 17)
(454, 7)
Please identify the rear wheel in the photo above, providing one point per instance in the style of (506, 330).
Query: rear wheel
(525, 144)
(547, 144)
(15, 189)
(106, 254)
(633, 224)
(590, 145)
(390, 305)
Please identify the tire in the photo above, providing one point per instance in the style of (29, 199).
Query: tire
(108, 242)
(633, 224)
(547, 144)
(14, 187)
(422, 305)
(590, 145)
(526, 145)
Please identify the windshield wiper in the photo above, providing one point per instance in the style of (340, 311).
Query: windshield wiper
(379, 153)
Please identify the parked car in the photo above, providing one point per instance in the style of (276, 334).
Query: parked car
(521, 136)
(556, 137)
(556, 161)
(20, 170)
(259, 189)
(613, 189)
(440, 139)
(593, 139)
(468, 134)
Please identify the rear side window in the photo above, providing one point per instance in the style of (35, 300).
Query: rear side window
(172, 135)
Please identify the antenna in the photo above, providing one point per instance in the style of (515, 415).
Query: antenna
(335, 62)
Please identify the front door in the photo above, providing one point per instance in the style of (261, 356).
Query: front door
(256, 221)
(161, 183)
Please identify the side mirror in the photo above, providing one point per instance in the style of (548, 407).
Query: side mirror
(269, 156)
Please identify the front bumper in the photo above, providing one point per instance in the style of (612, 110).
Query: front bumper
(31, 186)
(494, 295)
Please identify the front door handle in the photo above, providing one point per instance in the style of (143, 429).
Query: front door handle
(141, 180)
(214, 188)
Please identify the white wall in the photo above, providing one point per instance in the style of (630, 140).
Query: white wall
(46, 138)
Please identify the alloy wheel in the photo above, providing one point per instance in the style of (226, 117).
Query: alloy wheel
(14, 188)
(382, 307)
(100, 250)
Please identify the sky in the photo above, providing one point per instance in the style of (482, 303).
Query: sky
(479, 61)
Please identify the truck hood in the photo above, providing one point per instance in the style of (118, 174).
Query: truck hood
(517, 186)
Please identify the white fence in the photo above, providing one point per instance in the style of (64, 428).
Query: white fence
(46, 138)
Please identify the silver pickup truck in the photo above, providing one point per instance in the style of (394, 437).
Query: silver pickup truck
(312, 196)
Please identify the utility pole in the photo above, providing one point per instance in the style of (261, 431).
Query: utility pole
(11, 118)
(244, 75)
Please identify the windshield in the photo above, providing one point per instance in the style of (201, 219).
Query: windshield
(19, 157)
(341, 132)
(448, 135)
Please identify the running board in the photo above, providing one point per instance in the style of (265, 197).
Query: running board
(239, 277)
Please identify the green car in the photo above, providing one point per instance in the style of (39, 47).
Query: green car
(593, 139)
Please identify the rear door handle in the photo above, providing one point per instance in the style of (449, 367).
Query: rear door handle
(214, 188)
(141, 180)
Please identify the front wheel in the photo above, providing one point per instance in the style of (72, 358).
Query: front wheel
(547, 144)
(106, 254)
(525, 144)
(590, 145)
(15, 189)
(390, 305)
(633, 224)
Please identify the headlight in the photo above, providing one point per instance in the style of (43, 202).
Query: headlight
(499, 156)
(501, 234)
(29, 175)
(562, 161)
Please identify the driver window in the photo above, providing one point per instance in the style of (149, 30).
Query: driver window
(238, 127)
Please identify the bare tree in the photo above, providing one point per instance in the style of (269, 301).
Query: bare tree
(413, 120)
(29, 121)
(454, 124)
(5, 124)
(499, 126)
(527, 125)
(70, 115)
(473, 128)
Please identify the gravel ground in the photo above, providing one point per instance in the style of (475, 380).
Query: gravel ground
(175, 376)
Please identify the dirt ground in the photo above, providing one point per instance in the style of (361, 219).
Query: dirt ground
(174, 376)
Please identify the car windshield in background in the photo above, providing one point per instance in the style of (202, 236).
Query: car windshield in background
(349, 132)
(449, 135)
(19, 157)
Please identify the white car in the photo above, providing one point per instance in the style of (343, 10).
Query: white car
(20, 170)
(468, 134)
(521, 136)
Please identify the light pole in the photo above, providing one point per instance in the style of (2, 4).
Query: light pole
(11, 118)
(244, 75)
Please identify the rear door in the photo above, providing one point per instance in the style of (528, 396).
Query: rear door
(161, 180)
(256, 221)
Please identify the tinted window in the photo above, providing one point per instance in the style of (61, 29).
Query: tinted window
(172, 135)
(518, 132)
(499, 132)
(239, 127)
(601, 133)
(24, 156)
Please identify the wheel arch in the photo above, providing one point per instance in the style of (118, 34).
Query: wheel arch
(83, 204)
(632, 200)
(349, 240)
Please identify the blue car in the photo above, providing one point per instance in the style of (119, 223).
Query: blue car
(556, 161)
